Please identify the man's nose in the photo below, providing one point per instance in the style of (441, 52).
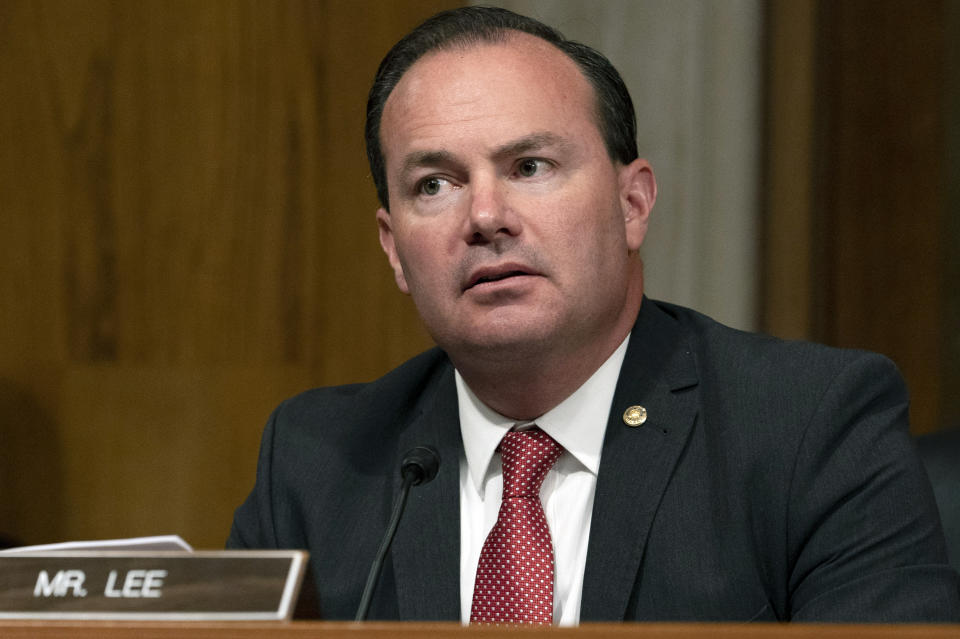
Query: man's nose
(491, 216)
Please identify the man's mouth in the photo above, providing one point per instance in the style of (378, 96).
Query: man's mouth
(496, 274)
(497, 278)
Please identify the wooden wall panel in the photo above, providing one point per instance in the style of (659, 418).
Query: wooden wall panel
(881, 203)
(856, 210)
(786, 226)
(186, 237)
(950, 252)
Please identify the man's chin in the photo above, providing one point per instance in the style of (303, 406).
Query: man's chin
(506, 343)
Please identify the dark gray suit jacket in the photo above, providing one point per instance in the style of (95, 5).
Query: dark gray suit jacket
(772, 481)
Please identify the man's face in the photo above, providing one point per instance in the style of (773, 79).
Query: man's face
(509, 225)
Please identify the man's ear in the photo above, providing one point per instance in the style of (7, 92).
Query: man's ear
(390, 248)
(638, 192)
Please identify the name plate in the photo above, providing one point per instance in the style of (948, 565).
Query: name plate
(205, 585)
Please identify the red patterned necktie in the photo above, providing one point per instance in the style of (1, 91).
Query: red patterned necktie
(515, 574)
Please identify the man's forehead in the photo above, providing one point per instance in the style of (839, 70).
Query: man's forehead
(521, 76)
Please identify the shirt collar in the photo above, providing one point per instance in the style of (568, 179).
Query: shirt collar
(578, 423)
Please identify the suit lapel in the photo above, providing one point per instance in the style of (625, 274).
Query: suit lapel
(426, 550)
(636, 464)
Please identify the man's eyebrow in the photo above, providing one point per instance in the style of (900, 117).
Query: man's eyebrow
(419, 159)
(528, 144)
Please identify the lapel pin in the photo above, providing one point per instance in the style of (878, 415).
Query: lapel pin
(635, 416)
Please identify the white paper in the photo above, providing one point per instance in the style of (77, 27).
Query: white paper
(158, 542)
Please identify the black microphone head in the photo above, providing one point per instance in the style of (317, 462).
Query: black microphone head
(420, 465)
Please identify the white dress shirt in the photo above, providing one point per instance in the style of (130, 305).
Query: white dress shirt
(578, 424)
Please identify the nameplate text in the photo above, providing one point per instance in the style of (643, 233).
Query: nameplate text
(222, 585)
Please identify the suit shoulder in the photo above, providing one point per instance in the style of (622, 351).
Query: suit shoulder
(774, 389)
(398, 389)
(760, 360)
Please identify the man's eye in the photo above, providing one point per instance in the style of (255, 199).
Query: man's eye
(529, 167)
(431, 186)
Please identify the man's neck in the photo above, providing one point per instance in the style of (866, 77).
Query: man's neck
(525, 385)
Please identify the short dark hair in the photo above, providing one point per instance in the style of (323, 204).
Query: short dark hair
(472, 25)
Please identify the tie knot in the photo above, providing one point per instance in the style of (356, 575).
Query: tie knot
(528, 455)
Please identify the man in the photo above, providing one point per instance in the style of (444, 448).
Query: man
(689, 471)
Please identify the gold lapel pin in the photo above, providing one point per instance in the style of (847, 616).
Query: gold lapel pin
(635, 416)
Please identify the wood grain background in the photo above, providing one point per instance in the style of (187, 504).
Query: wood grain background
(187, 232)
(186, 237)
(861, 244)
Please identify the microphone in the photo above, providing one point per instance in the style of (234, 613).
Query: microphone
(419, 466)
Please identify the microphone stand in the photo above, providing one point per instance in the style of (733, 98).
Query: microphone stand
(419, 467)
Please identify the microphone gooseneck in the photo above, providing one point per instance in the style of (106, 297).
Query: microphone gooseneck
(419, 466)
